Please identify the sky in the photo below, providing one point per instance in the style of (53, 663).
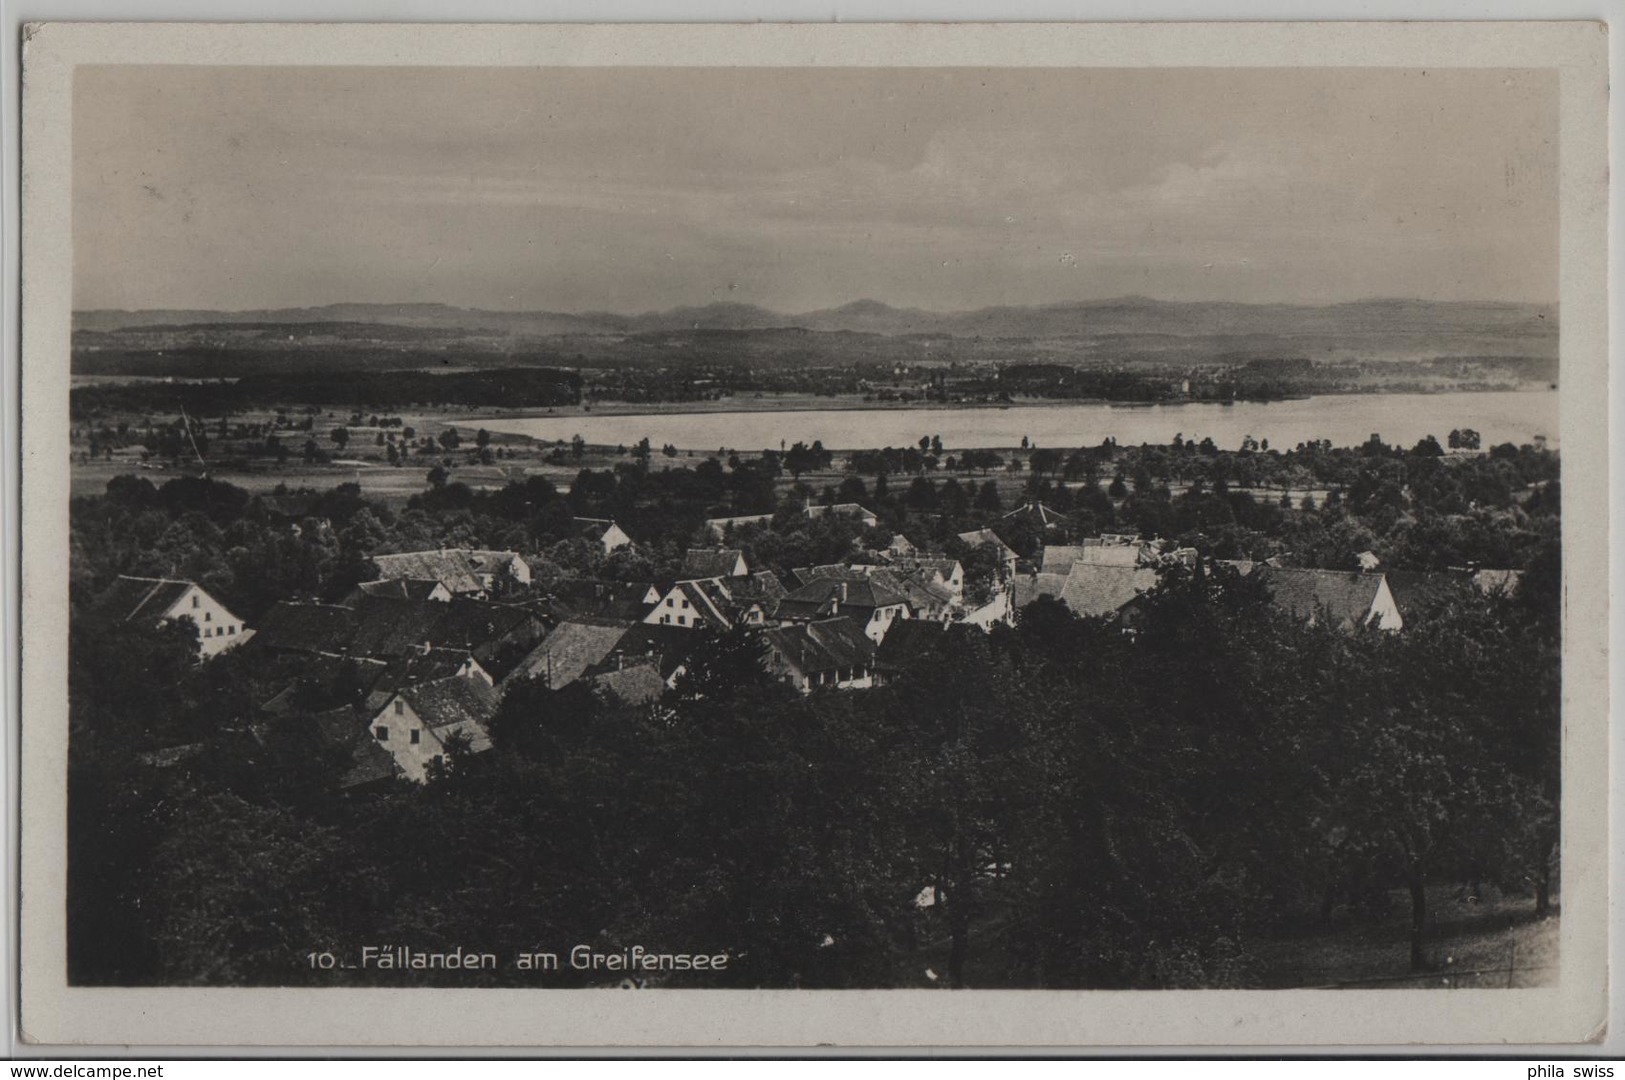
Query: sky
(642, 189)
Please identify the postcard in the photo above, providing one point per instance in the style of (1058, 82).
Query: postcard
(782, 536)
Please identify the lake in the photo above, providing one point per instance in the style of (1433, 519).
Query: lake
(1346, 419)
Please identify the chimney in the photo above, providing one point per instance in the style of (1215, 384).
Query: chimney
(843, 592)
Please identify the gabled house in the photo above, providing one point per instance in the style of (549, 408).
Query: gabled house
(569, 649)
(977, 538)
(693, 604)
(1345, 597)
(418, 721)
(629, 600)
(399, 589)
(826, 653)
(451, 568)
(866, 602)
(719, 527)
(429, 666)
(714, 563)
(163, 600)
(364, 761)
(846, 510)
(312, 629)
(604, 532)
(462, 571)
(1093, 590)
(664, 649)
(1030, 587)
(912, 644)
(494, 568)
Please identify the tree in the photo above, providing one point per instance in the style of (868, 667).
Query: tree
(438, 476)
(449, 439)
(341, 437)
(482, 438)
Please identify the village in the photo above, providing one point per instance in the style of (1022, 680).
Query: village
(430, 644)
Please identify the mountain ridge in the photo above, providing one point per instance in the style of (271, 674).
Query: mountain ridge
(1084, 318)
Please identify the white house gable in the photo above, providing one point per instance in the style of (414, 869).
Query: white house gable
(217, 628)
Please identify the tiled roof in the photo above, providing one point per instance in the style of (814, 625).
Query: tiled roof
(979, 537)
(907, 641)
(1058, 558)
(345, 731)
(604, 599)
(825, 645)
(457, 702)
(709, 599)
(762, 585)
(471, 624)
(141, 598)
(416, 668)
(719, 526)
(1418, 591)
(487, 561)
(1030, 587)
(1345, 595)
(667, 647)
(634, 684)
(452, 567)
(388, 627)
(309, 628)
(840, 510)
(829, 596)
(399, 588)
(574, 645)
(711, 563)
(1095, 590)
(1111, 555)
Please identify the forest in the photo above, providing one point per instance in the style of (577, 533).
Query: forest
(1054, 804)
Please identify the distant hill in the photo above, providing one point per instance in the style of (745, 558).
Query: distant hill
(1132, 315)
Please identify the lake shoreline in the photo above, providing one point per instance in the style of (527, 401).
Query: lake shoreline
(1342, 419)
(812, 404)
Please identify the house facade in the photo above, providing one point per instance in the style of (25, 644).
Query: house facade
(693, 605)
(417, 722)
(832, 654)
(164, 600)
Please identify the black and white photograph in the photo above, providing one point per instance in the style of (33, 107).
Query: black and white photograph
(788, 527)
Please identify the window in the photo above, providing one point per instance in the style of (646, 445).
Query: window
(208, 616)
(682, 620)
(685, 604)
(665, 619)
(382, 733)
(207, 632)
(668, 601)
(232, 629)
(400, 707)
(194, 600)
(417, 736)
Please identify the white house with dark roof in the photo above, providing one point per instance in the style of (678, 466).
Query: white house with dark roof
(603, 532)
(417, 722)
(162, 600)
(714, 563)
(462, 571)
(692, 605)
